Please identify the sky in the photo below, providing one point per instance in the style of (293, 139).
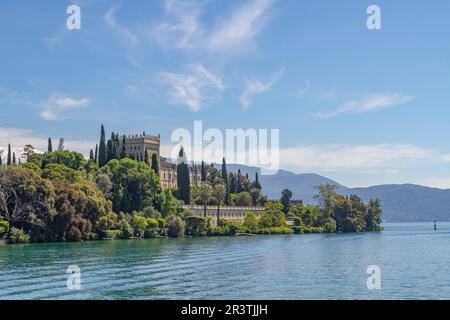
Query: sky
(360, 106)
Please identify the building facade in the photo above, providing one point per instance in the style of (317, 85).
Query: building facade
(137, 146)
(230, 213)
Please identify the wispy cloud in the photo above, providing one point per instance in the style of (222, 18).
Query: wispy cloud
(182, 24)
(57, 104)
(238, 30)
(369, 103)
(233, 32)
(123, 32)
(194, 89)
(255, 87)
(19, 137)
(357, 158)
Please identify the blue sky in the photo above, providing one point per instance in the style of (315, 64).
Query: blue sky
(360, 106)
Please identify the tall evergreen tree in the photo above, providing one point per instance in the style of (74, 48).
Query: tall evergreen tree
(257, 185)
(123, 151)
(155, 163)
(96, 154)
(239, 187)
(203, 172)
(232, 183)
(111, 148)
(183, 179)
(91, 155)
(117, 146)
(1, 161)
(8, 159)
(61, 144)
(49, 147)
(102, 152)
(147, 157)
(14, 158)
(224, 172)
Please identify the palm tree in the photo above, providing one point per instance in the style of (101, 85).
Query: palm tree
(219, 193)
(204, 192)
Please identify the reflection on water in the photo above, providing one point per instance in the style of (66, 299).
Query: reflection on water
(414, 262)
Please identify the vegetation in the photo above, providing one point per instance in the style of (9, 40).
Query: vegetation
(61, 196)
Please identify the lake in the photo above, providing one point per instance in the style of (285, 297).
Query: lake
(414, 261)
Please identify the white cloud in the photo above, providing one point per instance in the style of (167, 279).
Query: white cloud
(440, 183)
(182, 26)
(232, 33)
(56, 104)
(18, 138)
(255, 87)
(194, 89)
(123, 32)
(237, 31)
(387, 158)
(370, 103)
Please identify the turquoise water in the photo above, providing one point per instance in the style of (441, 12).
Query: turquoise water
(414, 262)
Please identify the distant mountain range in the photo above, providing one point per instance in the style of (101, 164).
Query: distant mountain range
(401, 203)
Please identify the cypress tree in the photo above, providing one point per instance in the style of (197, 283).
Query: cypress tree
(1, 162)
(232, 183)
(239, 182)
(155, 164)
(123, 152)
(14, 158)
(146, 157)
(203, 172)
(103, 155)
(224, 171)
(91, 155)
(257, 184)
(50, 147)
(96, 154)
(111, 148)
(117, 146)
(183, 180)
(8, 159)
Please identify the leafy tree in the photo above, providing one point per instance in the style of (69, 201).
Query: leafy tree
(61, 144)
(134, 185)
(286, 196)
(204, 193)
(219, 192)
(244, 199)
(373, 216)
(73, 160)
(169, 203)
(326, 196)
(28, 151)
(139, 225)
(59, 171)
(250, 221)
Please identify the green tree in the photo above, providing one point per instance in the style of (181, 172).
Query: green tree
(103, 153)
(204, 193)
(73, 160)
(203, 172)
(175, 226)
(139, 225)
(183, 178)
(49, 147)
(59, 171)
(286, 196)
(197, 226)
(373, 216)
(219, 192)
(155, 163)
(8, 159)
(244, 199)
(123, 151)
(251, 222)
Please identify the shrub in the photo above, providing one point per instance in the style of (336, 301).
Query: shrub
(18, 236)
(139, 224)
(161, 223)
(276, 230)
(175, 226)
(250, 221)
(112, 234)
(4, 227)
(152, 223)
(151, 233)
(90, 236)
(126, 229)
(197, 226)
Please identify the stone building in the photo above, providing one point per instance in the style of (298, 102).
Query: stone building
(137, 145)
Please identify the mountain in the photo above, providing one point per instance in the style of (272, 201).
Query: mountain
(400, 203)
(408, 202)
